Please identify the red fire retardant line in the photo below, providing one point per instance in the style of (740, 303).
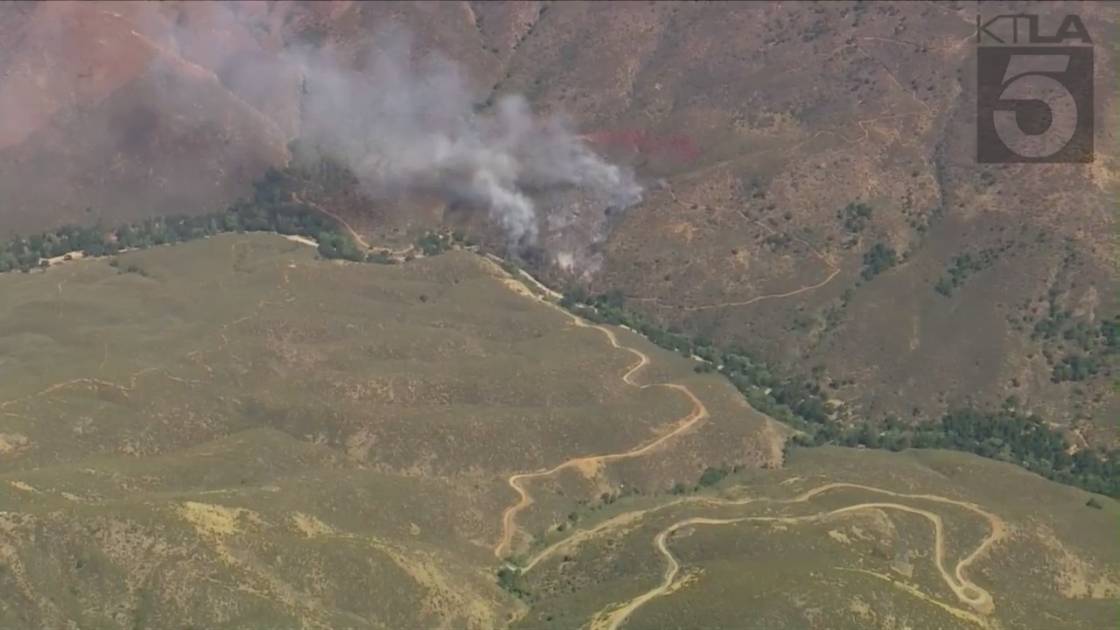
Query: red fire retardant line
(675, 146)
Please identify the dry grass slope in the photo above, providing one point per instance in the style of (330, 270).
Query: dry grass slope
(842, 539)
(298, 442)
(241, 434)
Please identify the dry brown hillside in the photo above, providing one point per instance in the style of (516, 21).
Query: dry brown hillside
(795, 110)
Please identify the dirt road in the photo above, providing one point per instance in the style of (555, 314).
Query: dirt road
(968, 592)
(517, 482)
(698, 414)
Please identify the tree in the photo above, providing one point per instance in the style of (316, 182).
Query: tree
(712, 476)
(877, 260)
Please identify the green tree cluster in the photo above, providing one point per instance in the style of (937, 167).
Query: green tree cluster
(878, 259)
(1080, 367)
(711, 476)
(855, 217)
(435, 243)
(509, 581)
(1087, 350)
(964, 265)
(337, 245)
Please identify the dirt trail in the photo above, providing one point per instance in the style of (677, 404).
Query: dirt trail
(350, 231)
(833, 268)
(966, 591)
(698, 414)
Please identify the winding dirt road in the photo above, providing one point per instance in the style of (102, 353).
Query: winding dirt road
(698, 414)
(967, 592)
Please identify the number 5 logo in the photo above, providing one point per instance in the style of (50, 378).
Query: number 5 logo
(1030, 85)
(1034, 104)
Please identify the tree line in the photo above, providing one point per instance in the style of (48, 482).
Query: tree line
(1007, 434)
(964, 265)
(270, 208)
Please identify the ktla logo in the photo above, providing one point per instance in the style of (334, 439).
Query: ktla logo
(1034, 102)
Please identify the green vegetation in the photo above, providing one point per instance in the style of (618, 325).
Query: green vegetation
(19, 254)
(1005, 434)
(878, 259)
(1077, 350)
(1019, 570)
(964, 265)
(508, 581)
(185, 361)
(383, 257)
(712, 476)
(1052, 324)
(776, 242)
(434, 243)
(273, 207)
(1078, 367)
(336, 245)
(855, 216)
(294, 517)
(270, 209)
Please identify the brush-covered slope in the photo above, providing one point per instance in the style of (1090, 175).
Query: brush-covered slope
(943, 286)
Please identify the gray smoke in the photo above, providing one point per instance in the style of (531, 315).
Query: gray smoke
(402, 125)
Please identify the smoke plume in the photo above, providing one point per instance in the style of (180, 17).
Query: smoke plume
(407, 126)
(405, 123)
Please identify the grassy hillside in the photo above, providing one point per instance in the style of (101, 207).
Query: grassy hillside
(766, 123)
(234, 432)
(921, 539)
(296, 441)
(1009, 432)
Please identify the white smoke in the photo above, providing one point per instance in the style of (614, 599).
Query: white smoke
(402, 126)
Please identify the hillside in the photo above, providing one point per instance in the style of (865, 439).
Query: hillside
(234, 432)
(810, 190)
(764, 229)
(902, 540)
(807, 114)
